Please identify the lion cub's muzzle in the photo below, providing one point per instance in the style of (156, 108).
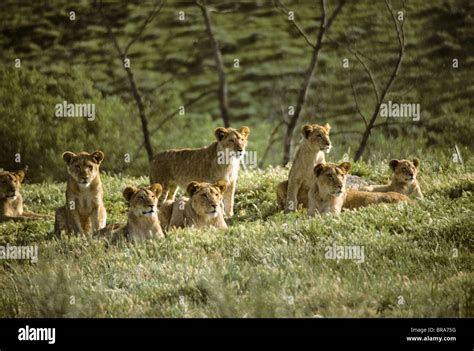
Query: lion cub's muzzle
(326, 146)
(151, 211)
(11, 194)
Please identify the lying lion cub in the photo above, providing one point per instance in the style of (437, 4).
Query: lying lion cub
(403, 179)
(328, 191)
(220, 160)
(84, 211)
(329, 194)
(11, 201)
(203, 208)
(143, 222)
(294, 191)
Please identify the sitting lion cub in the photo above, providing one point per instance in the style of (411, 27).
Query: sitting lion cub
(203, 208)
(403, 179)
(329, 194)
(220, 160)
(294, 191)
(143, 222)
(84, 211)
(11, 201)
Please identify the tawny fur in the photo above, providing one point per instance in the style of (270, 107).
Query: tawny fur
(177, 168)
(403, 180)
(11, 200)
(143, 222)
(357, 198)
(203, 208)
(84, 212)
(328, 191)
(294, 191)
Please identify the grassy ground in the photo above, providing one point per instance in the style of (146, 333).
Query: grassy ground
(418, 259)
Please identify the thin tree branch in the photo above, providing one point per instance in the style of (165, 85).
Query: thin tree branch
(174, 113)
(133, 84)
(156, 9)
(355, 100)
(401, 51)
(223, 89)
(285, 10)
(324, 26)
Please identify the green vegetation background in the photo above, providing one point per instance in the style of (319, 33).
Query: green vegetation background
(173, 64)
(418, 258)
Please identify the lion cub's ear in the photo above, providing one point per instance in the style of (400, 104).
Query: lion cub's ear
(97, 156)
(221, 185)
(156, 189)
(68, 156)
(20, 175)
(393, 164)
(129, 192)
(193, 187)
(318, 169)
(220, 133)
(327, 127)
(345, 166)
(245, 131)
(416, 162)
(306, 130)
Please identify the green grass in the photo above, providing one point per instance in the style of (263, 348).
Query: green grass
(266, 265)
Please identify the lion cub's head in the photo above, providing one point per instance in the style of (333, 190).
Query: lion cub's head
(231, 139)
(317, 136)
(405, 171)
(206, 198)
(143, 201)
(331, 178)
(83, 167)
(10, 184)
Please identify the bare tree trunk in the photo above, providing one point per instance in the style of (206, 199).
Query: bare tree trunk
(131, 78)
(324, 26)
(401, 51)
(223, 90)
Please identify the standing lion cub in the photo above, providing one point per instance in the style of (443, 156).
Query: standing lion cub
(294, 191)
(403, 180)
(218, 161)
(84, 211)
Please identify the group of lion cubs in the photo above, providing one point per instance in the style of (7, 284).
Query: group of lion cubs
(210, 185)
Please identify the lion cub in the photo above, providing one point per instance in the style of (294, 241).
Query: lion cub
(294, 191)
(142, 223)
(329, 194)
(328, 191)
(403, 179)
(203, 208)
(11, 201)
(218, 161)
(84, 211)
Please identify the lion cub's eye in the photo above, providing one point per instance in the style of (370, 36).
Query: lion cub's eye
(90, 168)
(78, 167)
